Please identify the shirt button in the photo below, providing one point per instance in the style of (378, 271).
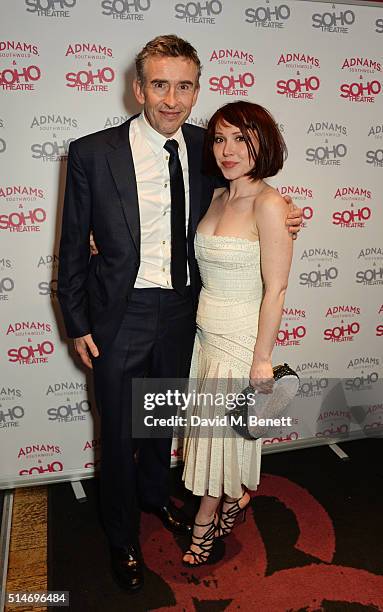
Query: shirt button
(164, 213)
(164, 242)
(163, 269)
(165, 185)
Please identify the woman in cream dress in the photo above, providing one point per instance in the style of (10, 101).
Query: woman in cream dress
(244, 254)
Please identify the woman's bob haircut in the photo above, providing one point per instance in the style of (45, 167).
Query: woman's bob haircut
(251, 119)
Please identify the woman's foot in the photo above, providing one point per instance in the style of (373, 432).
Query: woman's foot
(201, 543)
(231, 509)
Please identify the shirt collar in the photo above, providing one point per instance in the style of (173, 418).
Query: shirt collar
(156, 140)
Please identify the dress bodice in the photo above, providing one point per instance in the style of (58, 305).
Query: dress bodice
(231, 283)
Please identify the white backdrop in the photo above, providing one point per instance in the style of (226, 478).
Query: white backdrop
(65, 70)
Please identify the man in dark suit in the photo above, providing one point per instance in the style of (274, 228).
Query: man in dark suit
(131, 308)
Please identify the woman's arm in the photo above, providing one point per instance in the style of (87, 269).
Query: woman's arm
(276, 254)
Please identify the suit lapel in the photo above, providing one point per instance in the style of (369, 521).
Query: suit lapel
(121, 165)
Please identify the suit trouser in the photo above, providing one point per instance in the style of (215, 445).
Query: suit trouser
(155, 340)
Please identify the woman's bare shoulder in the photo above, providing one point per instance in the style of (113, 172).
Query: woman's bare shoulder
(270, 198)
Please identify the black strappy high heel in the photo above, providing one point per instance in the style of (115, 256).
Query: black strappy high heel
(205, 543)
(228, 517)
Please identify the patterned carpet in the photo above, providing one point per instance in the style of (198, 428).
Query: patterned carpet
(312, 541)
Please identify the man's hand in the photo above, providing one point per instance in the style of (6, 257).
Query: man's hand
(294, 218)
(92, 245)
(85, 347)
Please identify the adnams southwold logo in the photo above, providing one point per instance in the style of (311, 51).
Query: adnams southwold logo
(238, 57)
(298, 60)
(129, 10)
(113, 121)
(375, 131)
(50, 8)
(88, 50)
(327, 129)
(56, 122)
(18, 48)
(319, 254)
(361, 64)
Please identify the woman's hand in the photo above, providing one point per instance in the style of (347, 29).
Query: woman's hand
(261, 376)
(294, 218)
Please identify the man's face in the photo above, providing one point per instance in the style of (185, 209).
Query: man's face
(168, 93)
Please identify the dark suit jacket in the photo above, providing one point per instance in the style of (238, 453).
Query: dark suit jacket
(101, 195)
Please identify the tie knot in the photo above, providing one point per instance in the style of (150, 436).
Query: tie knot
(171, 146)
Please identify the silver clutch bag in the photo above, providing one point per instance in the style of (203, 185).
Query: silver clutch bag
(253, 407)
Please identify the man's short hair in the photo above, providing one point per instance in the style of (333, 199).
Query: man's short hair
(250, 119)
(167, 45)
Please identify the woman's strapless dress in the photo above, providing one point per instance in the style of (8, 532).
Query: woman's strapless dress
(216, 460)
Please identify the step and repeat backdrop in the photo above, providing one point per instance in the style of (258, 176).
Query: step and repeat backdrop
(66, 68)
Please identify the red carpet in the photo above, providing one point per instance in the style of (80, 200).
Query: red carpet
(312, 541)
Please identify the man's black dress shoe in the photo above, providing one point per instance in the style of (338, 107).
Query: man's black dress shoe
(127, 568)
(171, 518)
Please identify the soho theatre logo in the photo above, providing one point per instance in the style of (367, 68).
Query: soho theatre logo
(54, 122)
(91, 79)
(379, 26)
(50, 8)
(293, 329)
(69, 411)
(131, 10)
(303, 195)
(25, 214)
(11, 417)
(327, 154)
(19, 78)
(54, 149)
(374, 157)
(7, 283)
(198, 12)
(336, 21)
(355, 211)
(298, 85)
(3, 144)
(363, 90)
(235, 81)
(35, 348)
(269, 15)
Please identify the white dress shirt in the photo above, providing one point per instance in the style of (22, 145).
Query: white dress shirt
(151, 163)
